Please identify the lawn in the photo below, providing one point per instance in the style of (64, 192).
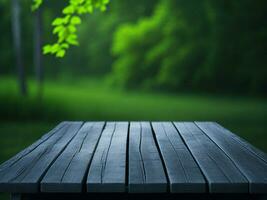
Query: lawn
(23, 120)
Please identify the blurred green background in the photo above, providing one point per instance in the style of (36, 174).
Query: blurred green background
(139, 60)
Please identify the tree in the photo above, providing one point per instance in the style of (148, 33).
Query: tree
(38, 48)
(16, 29)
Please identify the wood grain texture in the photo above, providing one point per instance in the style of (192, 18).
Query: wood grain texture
(247, 160)
(68, 171)
(108, 168)
(146, 172)
(220, 171)
(183, 172)
(244, 143)
(137, 157)
(25, 174)
(30, 148)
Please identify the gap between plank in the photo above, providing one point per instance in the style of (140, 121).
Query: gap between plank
(35, 160)
(77, 150)
(50, 134)
(89, 164)
(127, 158)
(161, 158)
(56, 157)
(248, 181)
(206, 180)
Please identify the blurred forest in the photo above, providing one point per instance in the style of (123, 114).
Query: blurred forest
(179, 60)
(167, 45)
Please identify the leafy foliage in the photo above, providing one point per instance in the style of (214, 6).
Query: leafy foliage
(187, 45)
(166, 45)
(65, 27)
(36, 4)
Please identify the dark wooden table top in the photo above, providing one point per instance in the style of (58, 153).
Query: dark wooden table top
(137, 157)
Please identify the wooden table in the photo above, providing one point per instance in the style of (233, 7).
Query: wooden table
(125, 160)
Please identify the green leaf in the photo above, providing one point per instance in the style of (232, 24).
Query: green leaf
(75, 20)
(69, 9)
(90, 9)
(66, 19)
(47, 49)
(58, 21)
(60, 53)
(81, 10)
(65, 26)
(103, 8)
(58, 29)
(65, 46)
(72, 39)
(36, 4)
(72, 28)
(62, 36)
(55, 48)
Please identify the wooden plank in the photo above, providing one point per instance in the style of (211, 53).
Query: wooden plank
(253, 167)
(146, 172)
(220, 171)
(30, 148)
(24, 176)
(108, 168)
(244, 143)
(68, 171)
(183, 172)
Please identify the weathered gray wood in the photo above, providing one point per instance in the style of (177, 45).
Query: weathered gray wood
(108, 168)
(146, 172)
(68, 171)
(183, 172)
(244, 143)
(221, 172)
(253, 167)
(24, 176)
(193, 157)
(29, 149)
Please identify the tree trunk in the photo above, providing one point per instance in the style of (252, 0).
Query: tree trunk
(16, 29)
(38, 49)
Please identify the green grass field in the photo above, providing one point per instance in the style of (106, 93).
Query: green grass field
(23, 120)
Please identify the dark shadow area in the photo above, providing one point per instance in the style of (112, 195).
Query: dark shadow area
(142, 196)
